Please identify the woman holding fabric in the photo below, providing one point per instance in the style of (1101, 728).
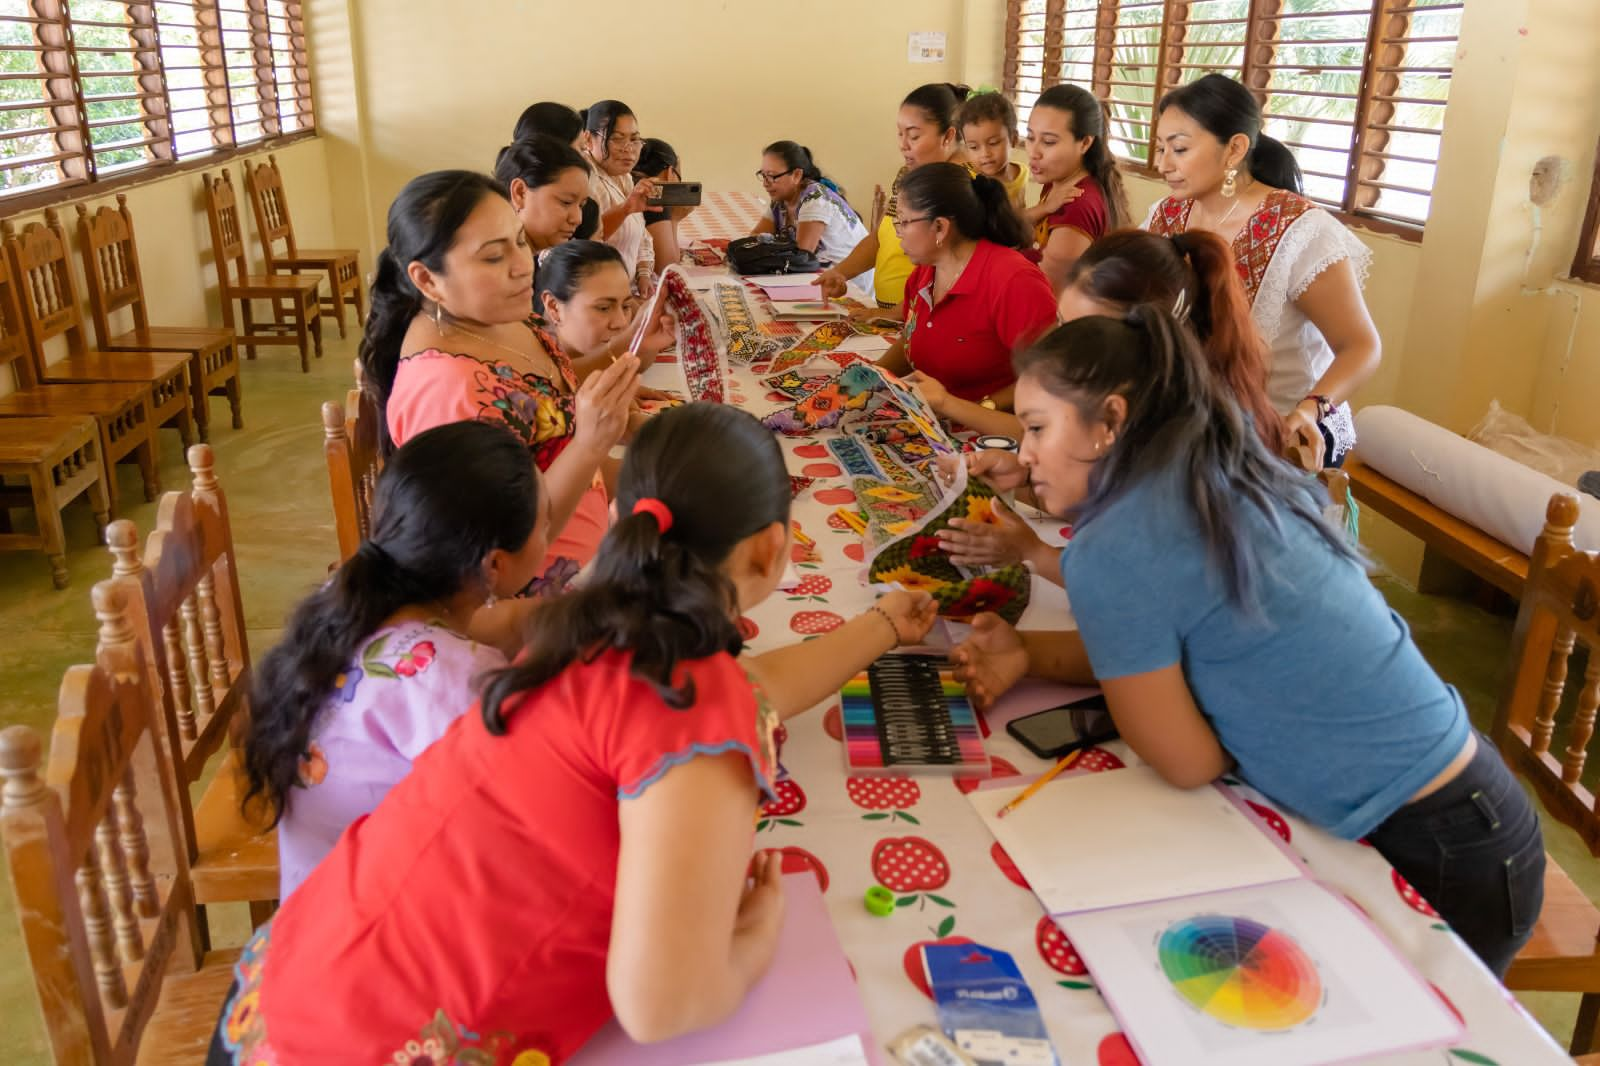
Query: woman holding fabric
(928, 134)
(972, 299)
(1301, 268)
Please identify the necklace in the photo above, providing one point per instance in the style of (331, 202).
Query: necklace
(1223, 221)
(459, 328)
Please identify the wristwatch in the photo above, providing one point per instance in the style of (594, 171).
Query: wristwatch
(988, 403)
(1325, 406)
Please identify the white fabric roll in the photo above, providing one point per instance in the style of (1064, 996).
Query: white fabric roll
(1483, 488)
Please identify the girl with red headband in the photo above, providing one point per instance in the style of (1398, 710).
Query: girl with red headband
(578, 845)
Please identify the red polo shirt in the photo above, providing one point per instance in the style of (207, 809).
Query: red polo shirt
(965, 341)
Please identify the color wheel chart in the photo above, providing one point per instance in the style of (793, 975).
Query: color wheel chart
(1242, 973)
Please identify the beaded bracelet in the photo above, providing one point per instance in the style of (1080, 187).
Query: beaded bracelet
(881, 613)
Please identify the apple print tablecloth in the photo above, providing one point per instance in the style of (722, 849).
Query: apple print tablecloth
(919, 837)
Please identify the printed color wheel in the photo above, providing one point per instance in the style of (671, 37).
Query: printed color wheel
(1240, 972)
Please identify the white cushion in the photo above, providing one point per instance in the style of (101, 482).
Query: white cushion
(1483, 488)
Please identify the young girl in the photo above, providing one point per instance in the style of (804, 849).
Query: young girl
(928, 134)
(1083, 195)
(807, 207)
(379, 661)
(1302, 269)
(448, 339)
(1191, 275)
(612, 142)
(989, 131)
(577, 847)
(1230, 625)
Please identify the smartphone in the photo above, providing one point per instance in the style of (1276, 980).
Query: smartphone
(675, 194)
(1051, 734)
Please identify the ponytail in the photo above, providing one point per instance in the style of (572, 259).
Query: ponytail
(445, 500)
(658, 590)
(978, 207)
(1226, 109)
(1091, 117)
(797, 156)
(1179, 420)
(422, 226)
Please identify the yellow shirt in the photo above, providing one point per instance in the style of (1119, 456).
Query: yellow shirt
(1016, 186)
(893, 267)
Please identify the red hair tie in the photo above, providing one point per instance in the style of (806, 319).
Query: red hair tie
(656, 509)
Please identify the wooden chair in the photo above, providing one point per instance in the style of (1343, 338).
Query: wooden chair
(350, 444)
(121, 410)
(198, 663)
(111, 264)
(102, 885)
(49, 300)
(1560, 609)
(264, 185)
(297, 313)
(53, 461)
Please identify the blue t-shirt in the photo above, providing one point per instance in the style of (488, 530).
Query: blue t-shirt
(1320, 695)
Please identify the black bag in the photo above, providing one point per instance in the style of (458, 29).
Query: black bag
(767, 254)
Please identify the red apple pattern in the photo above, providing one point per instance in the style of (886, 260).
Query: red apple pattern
(791, 801)
(910, 864)
(1059, 954)
(1007, 867)
(1115, 1050)
(811, 586)
(1275, 821)
(794, 860)
(1097, 760)
(998, 767)
(885, 797)
(916, 973)
(1412, 897)
(811, 623)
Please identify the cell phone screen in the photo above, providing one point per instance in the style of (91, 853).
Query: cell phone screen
(1045, 733)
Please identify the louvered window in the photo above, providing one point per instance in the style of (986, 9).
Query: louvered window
(1356, 88)
(91, 90)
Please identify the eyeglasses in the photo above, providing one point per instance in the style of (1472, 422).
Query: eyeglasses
(618, 140)
(900, 224)
(768, 179)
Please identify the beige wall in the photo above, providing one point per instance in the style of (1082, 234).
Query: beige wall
(169, 218)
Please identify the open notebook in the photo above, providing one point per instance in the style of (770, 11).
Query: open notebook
(1204, 933)
(809, 968)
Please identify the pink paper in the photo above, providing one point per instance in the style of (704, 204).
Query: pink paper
(808, 997)
(789, 293)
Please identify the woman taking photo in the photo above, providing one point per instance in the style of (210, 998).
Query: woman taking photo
(1301, 268)
(611, 141)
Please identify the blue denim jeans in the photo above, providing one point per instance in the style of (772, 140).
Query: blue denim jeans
(1473, 850)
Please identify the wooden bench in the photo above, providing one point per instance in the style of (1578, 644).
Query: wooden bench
(55, 460)
(1442, 534)
(1560, 610)
(296, 309)
(269, 204)
(101, 879)
(111, 264)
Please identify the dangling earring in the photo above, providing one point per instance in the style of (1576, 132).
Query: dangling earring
(1230, 187)
(438, 318)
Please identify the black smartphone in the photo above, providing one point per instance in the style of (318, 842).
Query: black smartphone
(1050, 734)
(675, 194)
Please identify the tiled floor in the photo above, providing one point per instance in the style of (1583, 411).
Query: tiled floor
(275, 479)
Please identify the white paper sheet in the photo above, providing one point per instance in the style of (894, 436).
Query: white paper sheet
(845, 1051)
(1286, 974)
(1089, 840)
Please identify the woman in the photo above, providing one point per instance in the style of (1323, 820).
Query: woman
(659, 162)
(807, 207)
(928, 134)
(988, 123)
(1082, 196)
(1191, 275)
(611, 141)
(578, 847)
(582, 299)
(565, 125)
(1214, 603)
(972, 299)
(1301, 268)
(448, 339)
(547, 182)
(377, 662)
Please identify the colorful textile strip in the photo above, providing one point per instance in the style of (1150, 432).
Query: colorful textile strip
(704, 372)
(745, 344)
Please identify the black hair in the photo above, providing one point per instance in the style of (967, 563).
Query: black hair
(1179, 416)
(797, 156)
(563, 268)
(551, 119)
(989, 106)
(1091, 118)
(655, 157)
(660, 594)
(1226, 109)
(445, 500)
(538, 160)
(422, 226)
(978, 207)
(940, 101)
(600, 119)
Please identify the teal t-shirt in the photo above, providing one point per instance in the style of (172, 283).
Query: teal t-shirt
(1320, 695)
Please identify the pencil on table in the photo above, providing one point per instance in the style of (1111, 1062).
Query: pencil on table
(1044, 779)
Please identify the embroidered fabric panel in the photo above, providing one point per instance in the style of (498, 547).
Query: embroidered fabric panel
(746, 345)
(824, 338)
(703, 369)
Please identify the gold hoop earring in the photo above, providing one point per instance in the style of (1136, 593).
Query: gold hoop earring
(1230, 183)
(438, 317)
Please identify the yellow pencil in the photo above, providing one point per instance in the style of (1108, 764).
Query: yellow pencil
(1049, 775)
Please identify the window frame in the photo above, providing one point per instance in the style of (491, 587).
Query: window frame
(1366, 160)
(64, 96)
(1586, 260)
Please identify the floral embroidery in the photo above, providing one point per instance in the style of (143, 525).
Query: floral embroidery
(409, 663)
(981, 595)
(313, 766)
(413, 662)
(345, 683)
(981, 509)
(1257, 241)
(911, 579)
